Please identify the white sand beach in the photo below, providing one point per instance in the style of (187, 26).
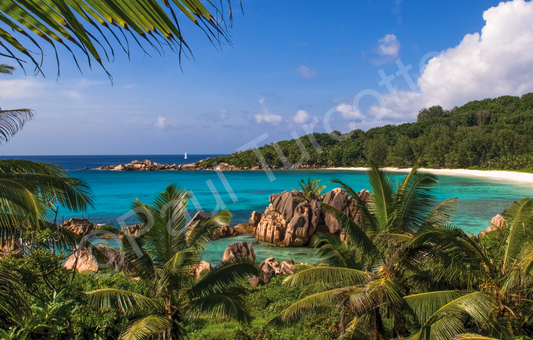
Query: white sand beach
(508, 176)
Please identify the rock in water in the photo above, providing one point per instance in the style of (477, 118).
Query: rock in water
(238, 250)
(224, 231)
(80, 226)
(200, 267)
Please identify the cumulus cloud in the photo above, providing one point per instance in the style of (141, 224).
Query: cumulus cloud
(302, 117)
(161, 123)
(266, 116)
(388, 48)
(306, 72)
(498, 61)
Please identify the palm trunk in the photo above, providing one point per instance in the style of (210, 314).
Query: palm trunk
(376, 326)
(399, 329)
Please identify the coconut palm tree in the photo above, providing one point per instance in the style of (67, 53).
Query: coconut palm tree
(164, 257)
(86, 27)
(368, 276)
(309, 190)
(499, 280)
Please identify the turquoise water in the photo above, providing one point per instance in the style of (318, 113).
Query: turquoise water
(246, 191)
(479, 199)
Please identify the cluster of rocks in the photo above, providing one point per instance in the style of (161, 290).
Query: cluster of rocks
(268, 268)
(204, 164)
(148, 165)
(497, 222)
(288, 223)
(80, 226)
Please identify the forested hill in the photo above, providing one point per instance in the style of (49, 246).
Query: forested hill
(492, 133)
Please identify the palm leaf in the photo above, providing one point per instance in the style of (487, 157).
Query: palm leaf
(424, 305)
(123, 301)
(307, 304)
(225, 304)
(145, 328)
(327, 275)
(225, 275)
(517, 216)
(70, 23)
(12, 121)
(472, 337)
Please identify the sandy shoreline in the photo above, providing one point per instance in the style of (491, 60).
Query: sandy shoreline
(508, 176)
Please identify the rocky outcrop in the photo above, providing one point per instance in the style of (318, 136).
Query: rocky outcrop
(148, 165)
(339, 199)
(245, 228)
(85, 259)
(238, 250)
(255, 218)
(80, 226)
(497, 222)
(132, 230)
(199, 216)
(223, 232)
(271, 267)
(291, 224)
(200, 267)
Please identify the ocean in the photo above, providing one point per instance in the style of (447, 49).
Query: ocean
(245, 191)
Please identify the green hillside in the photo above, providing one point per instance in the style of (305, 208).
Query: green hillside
(491, 133)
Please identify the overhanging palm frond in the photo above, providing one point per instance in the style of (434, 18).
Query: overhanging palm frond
(517, 216)
(12, 121)
(226, 304)
(69, 23)
(11, 301)
(145, 328)
(441, 324)
(225, 275)
(443, 213)
(309, 303)
(348, 225)
(343, 277)
(383, 195)
(121, 300)
(424, 305)
(200, 232)
(6, 69)
(472, 337)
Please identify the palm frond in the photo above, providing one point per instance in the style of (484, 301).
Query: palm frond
(11, 297)
(225, 275)
(225, 304)
(472, 337)
(70, 24)
(517, 216)
(12, 121)
(145, 328)
(357, 235)
(123, 301)
(328, 275)
(307, 304)
(424, 305)
(383, 195)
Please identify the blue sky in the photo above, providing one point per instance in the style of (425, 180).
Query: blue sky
(291, 61)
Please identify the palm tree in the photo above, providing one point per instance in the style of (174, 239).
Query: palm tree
(498, 281)
(308, 191)
(368, 276)
(164, 257)
(77, 24)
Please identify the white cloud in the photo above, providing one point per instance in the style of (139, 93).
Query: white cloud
(302, 117)
(306, 72)
(22, 88)
(498, 61)
(348, 111)
(388, 48)
(266, 116)
(161, 123)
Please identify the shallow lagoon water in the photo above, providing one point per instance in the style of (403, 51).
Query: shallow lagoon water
(246, 191)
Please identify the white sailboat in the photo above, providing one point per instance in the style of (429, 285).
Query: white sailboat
(185, 156)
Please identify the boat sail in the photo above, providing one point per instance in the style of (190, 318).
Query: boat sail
(185, 156)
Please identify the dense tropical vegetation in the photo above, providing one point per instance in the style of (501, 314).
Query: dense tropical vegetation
(489, 134)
